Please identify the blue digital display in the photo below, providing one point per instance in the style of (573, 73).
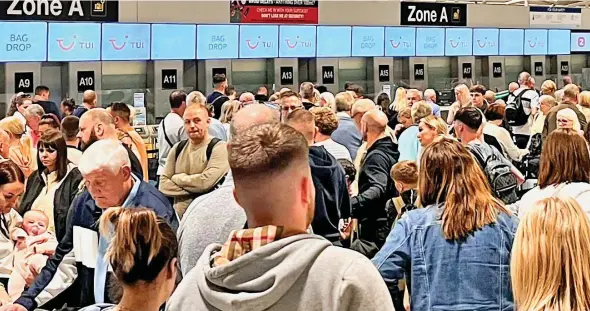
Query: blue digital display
(217, 41)
(334, 41)
(559, 41)
(580, 42)
(485, 41)
(73, 42)
(458, 41)
(430, 41)
(367, 41)
(166, 37)
(257, 41)
(125, 41)
(511, 42)
(297, 41)
(535, 42)
(400, 41)
(23, 41)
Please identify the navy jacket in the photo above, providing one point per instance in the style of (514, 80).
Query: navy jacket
(81, 234)
(50, 107)
(332, 201)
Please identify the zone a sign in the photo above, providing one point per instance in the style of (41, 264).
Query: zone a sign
(60, 10)
(433, 14)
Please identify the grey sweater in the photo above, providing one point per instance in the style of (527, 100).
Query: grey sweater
(302, 272)
(208, 219)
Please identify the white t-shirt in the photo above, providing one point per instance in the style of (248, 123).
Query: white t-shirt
(174, 131)
(530, 100)
(337, 150)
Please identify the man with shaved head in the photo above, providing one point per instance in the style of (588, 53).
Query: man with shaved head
(97, 124)
(332, 201)
(513, 86)
(210, 219)
(374, 183)
(88, 103)
(359, 109)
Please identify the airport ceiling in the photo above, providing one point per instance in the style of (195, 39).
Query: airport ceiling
(560, 3)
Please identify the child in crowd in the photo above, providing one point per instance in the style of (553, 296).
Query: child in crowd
(33, 246)
(405, 177)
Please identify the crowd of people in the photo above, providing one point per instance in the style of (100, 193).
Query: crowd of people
(300, 200)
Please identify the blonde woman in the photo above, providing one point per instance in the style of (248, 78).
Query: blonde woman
(463, 99)
(400, 102)
(567, 119)
(548, 88)
(229, 109)
(429, 128)
(584, 104)
(550, 260)
(462, 236)
(22, 151)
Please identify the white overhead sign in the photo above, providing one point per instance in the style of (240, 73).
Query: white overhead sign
(555, 17)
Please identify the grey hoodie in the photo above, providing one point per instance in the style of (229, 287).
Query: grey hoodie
(302, 272)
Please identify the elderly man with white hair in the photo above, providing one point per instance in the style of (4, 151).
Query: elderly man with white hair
(216, 128)
(106, 169)
(33, 115)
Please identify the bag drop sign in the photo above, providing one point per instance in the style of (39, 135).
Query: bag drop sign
(497, 70)
(23, 82)
(383, 73)
(327, 74)
(169, 79)
(286, 75)
(85, 81)
(419, 72)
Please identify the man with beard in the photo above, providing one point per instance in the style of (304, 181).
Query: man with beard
(97, 124)
(194, 166)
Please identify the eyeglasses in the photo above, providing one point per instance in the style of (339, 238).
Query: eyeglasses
(563, 120)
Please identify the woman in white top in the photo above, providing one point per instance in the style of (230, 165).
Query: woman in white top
(12, 186)
(564, 170)
(495, 115)
(463, 100)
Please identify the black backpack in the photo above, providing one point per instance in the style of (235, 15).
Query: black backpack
(515, 114)
(210, 146)
(499, 173)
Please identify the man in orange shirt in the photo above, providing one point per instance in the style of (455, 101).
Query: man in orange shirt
(121, 114)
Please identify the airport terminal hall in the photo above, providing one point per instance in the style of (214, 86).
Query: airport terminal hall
(294, 155)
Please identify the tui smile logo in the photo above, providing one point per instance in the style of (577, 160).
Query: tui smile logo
(481, 46)
(119, 47)
(297, 42)
(253, 46)
(394, 44)
(60, 43)
(455, 44)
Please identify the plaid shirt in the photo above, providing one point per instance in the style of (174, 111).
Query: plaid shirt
(241, 242)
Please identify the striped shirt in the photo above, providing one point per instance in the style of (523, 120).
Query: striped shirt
(337, 150)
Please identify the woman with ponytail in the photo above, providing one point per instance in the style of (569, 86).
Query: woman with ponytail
(143, 253)
(21, 151)
(454, 252)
